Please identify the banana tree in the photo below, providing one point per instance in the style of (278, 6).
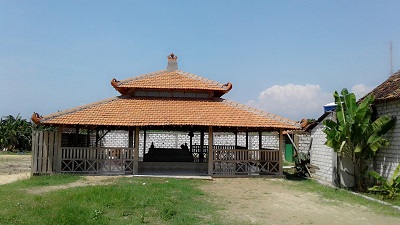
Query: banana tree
(354, 134)
(15, 132)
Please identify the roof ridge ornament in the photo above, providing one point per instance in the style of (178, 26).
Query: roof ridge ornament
(172, 62)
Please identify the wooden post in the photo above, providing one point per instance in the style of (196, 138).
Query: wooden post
(97, 137)
(201, 153)
(281, 147)
(88, 138)
(247, 139)
(58, 151)
(136, 152)
(76, 139)
(236, 141)
(210, 151)
(144, 141)
(260, 140)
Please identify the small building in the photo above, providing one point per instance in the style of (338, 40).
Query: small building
(163, 101)
(387, 102)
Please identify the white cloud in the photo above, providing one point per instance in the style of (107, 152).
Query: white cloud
(293, 101)
(360, 90)
(299, 101)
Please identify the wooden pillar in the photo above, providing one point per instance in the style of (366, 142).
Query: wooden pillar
(76, 139)
(210, 151)
(247, 139)
(136, 152)
(88, 138)
(130, 137)
(144, 141)
(58, 153)
(236, 141)
(201, 154)
(260, 140)
(97, 137)
(281, 147)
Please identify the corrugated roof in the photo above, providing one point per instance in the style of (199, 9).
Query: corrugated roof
(388, 90)
(152, 111)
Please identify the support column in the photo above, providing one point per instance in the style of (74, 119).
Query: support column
(88, 138)
(136, 152)
(97, 138)
(144, 141)
(201, 154)
(58, 153)
(76, 138)
(281, 147)
(236, 141)
(260, 140)
(247, 139)
(210, 151)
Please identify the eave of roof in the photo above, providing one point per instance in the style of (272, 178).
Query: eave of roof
(151, 111)
(172, 80)
(388, 90)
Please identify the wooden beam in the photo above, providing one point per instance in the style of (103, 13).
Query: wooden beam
(136, 152)
(201, 154)
(144, 141)
(260, 140)
(236, 140)
(210, 150)
(247, 139)
(281, 147)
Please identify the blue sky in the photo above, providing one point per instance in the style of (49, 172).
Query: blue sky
(285, 57)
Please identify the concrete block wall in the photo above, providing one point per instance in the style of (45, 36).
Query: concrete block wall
(387, 159)
(304, 142)
(176, 139)
(322, 156)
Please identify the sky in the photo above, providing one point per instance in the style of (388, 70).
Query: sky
(284, 57)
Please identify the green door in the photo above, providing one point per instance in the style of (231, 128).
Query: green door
(289, 152)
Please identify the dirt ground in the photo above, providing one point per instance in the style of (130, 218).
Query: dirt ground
(14, 167)
(270, 201)
(251, 201)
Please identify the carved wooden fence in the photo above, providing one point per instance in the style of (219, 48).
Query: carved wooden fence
(97, 160)
(231, 162)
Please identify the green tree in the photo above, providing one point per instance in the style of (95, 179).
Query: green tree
(354, 134)
(15, 133)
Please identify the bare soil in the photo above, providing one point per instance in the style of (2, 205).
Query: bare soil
(247, 200)
(14, 167)
(270, 201)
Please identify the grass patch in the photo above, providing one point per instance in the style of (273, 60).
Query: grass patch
(340, 196)
(125, 201)
(15, 152)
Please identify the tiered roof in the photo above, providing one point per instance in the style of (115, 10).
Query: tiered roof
(131, 109)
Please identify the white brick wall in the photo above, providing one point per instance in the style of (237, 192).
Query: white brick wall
(176, 139)
(322, 156)
(387, 159)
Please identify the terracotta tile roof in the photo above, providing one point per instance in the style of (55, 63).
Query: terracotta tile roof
(149, 111)
(388, 90)
(172, 80)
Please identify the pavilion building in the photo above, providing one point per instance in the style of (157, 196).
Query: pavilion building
(166, 100)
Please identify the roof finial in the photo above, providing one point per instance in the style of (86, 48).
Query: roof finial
(172, 62)
(172, 56)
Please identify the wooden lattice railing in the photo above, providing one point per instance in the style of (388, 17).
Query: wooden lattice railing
(96, 160)
(232, 162)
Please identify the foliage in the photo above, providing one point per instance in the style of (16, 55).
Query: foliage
(15, 133)
(354, 134)
(301, 160)
(124, 200)
(388, 188)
